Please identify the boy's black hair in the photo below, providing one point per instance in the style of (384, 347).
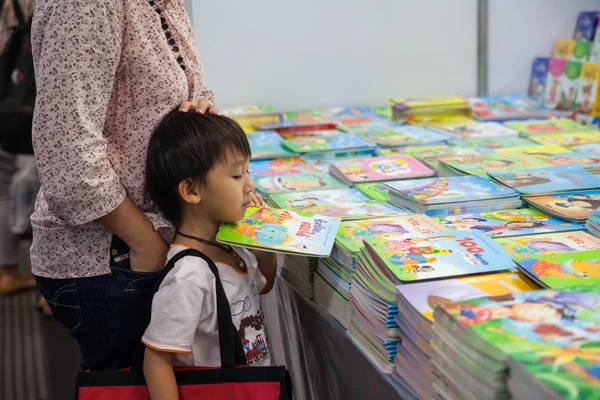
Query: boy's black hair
(187, 145)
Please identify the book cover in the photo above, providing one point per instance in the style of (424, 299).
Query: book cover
(380, 126)
(282, 231)
(580, 159)
(480, 129)
(539, 151)
(266, 144)
(478, 165)
(505, 223)
(404, 135)
(577, 205)
(432, 101)
(569, 139)
(346, 204)
(301, 121)
(500, 143)
(585, 28)
(563, 270)
(563, 49)
(570, 86)
(331, 140)
(549, 243)
(454, 189)
(388, 139)
(375, 190)
(351, 234)
(502, 108)
(530, 182)
(538, 78)
(382, 168)
(433, 155)
(432, 121)
(527, 321)
(297, 183)
(280, 166)
(588, 99)
(586, 148)
(546, 126)
(439, 255)
(556, 71)
(581, 51)
(425, 296)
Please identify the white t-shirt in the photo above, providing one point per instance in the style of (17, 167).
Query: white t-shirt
(184, 318)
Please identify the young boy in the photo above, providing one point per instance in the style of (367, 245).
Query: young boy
(197, 176)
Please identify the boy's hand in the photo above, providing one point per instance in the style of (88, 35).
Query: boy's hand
(256, 200)
(201, 107)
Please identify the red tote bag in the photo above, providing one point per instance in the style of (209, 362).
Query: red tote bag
(234, 380)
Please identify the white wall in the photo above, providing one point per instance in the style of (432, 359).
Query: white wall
(520, 30)
(318, 53)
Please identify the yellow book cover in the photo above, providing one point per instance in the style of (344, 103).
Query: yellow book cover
(541, 151)
(588, 98)
(423, 297)
(564, 48)
(441, 119)
(433, 101)
(568, 139)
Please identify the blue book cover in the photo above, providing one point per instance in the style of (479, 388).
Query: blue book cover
(453, 189)
(439, 255)
(266, 144)
(504, 223)
(282, 166)
(547, 180)
(585, 28)
(537, 81)
(587, 148)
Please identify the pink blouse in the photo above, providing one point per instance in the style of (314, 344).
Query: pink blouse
(107, 72)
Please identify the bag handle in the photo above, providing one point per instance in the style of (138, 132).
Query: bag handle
(230, 344)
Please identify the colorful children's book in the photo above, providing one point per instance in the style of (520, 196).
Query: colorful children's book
(549, 243)
(586, 148)
(423, 297)
(297, 183)
(438, 255)
(538, 79)
(503, 108)
(574, 206)
(352, 233)
(405, 135)
(585, 28)
(556, 71)
(382, 126)
(540, 151)
(546, 126)
(317, 123)
(478, 165)
(453, 189)
(479, 130)
(549, 180)
(403, 109)
(248, 116)
(266, 144)
(282, 231)
(346, 204)
(569, 139)
(375, 190)
(327, 140)
(500, 143)
(505, 223)
(581, 51)
(570, 86)
(280, 166)
(433, 155)
(580, 159)
(563, 49)
(588, 100)
(432, 121)
(561, 270)
(380, 169)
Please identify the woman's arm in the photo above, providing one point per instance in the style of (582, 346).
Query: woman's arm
(77, 48)
(160, 378)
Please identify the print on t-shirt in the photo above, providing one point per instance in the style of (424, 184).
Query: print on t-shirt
(253, 341)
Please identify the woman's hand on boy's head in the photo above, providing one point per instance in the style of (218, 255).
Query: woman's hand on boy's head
(201, 106)
(256, 200)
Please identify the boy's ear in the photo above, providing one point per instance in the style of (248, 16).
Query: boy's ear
(189, 190)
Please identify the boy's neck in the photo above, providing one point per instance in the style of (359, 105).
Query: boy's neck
(200, 228)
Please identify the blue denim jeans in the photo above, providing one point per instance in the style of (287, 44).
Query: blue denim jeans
(106, 314)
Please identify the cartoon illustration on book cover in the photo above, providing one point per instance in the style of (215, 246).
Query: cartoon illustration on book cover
(569, 139)
(549, 243)
(280, 166)
(563, 269)
(556, 69)
(297, 183)
(577, 205)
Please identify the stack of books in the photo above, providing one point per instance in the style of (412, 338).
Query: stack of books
(329, 145)
(548, 243)
(593, 226)
(407, 109)
(392, 135)
(478, 165)
(503, 108)
(573, 206)
(533, 337)
(379, 169)
(452, 195)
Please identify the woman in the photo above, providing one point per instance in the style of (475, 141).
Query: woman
(107, 73)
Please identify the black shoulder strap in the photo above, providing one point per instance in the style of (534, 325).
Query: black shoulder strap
(18, 13)
(232, 352)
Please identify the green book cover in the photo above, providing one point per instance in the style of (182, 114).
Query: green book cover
(376, 191)
(562, 270)
(478, 164)
(546, 126)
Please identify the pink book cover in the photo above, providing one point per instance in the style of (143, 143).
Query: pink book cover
(556, 70)
(383, 168)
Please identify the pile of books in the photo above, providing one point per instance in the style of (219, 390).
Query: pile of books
(593, 226)
(377, 169)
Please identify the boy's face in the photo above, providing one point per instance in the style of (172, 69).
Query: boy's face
(225, 195)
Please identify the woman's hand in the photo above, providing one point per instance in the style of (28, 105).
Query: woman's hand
(256, 200)
(149, 256)
(202, 106)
